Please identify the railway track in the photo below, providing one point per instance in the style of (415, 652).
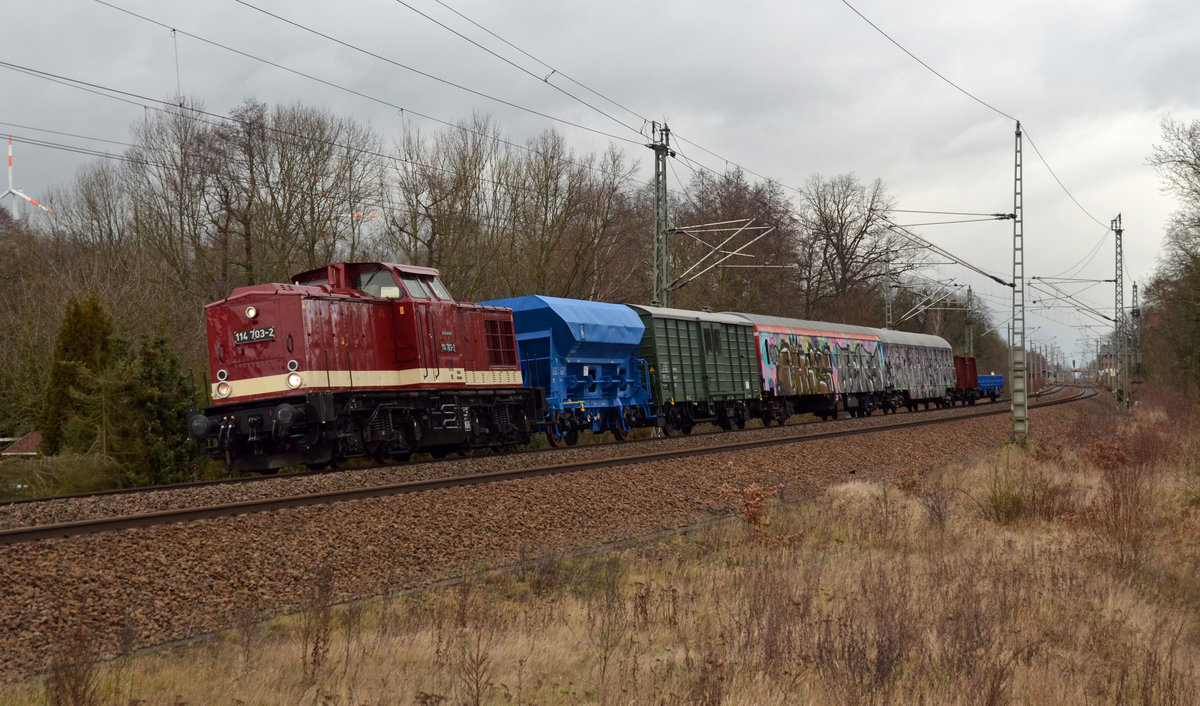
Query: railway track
(266, 479)
(20, 535)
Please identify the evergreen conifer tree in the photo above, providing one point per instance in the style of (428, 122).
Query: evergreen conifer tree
(82, 348)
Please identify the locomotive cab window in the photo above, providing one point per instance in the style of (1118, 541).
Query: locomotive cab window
(415, 288)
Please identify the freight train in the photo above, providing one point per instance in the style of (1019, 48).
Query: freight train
(378, 360)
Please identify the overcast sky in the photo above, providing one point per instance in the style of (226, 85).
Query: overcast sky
(783, 89)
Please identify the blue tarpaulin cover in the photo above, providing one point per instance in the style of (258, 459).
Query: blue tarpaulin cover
(581, 328)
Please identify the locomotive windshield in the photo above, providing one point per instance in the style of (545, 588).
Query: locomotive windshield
(377, 283)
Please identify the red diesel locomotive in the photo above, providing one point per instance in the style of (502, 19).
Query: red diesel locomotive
(358, 359)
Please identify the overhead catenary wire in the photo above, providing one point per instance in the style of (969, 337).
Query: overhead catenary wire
(126, 159)
(980, 101)
(554, 71)
(539, 113)
(901, 230)
(697, 146)
(945, 223)
(505, 59)
(360, 94)
(194, 113)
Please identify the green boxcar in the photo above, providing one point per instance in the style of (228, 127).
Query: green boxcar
(703, 366)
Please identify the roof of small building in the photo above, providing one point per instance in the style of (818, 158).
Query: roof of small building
(25, 446)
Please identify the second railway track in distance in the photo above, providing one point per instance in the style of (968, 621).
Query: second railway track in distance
(20, 535)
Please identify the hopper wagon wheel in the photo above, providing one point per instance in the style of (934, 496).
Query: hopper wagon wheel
(619, 432)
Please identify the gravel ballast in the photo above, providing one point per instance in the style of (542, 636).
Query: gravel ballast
(144, 587)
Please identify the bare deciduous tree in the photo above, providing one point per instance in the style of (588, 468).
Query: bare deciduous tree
(846, 244)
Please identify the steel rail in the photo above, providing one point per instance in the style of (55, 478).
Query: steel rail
(238, 480)
(22, 535)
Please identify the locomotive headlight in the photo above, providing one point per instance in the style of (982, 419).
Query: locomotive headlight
(293, 380)
(223, 389)
(251, 312)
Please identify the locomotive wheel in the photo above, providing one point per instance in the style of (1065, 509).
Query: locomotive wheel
(619, 433)
(572, 437)
(554, 439)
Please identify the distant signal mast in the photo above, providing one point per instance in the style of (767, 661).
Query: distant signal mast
(15, 193)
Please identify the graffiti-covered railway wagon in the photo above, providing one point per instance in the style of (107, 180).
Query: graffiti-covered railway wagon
(584, 356)
(703, 367)
(358, 359)
(825, 368)
(919, 368)
(810, 366)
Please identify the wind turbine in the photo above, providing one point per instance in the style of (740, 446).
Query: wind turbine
(16, 210)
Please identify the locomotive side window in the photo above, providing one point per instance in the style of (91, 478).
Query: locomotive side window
(415, 289)
(439, 289)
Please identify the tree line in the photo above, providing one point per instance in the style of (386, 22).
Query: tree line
(199, 205)
(1170, 316)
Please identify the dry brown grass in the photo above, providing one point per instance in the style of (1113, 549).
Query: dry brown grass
(1065, 575)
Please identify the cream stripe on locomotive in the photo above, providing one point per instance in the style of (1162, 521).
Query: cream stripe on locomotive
(341, 379)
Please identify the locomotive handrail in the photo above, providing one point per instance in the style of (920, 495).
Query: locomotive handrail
(433, 344)
(421, 337)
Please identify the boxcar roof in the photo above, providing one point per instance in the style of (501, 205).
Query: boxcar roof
(818, 326)
(662, 312)
(883, 334)
(912, 339)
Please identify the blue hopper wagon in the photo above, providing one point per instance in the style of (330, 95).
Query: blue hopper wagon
(584, 355)
(990, 385)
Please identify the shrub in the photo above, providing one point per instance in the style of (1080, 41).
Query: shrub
(1020, 492)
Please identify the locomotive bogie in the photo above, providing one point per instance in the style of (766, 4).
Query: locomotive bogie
(326, 428)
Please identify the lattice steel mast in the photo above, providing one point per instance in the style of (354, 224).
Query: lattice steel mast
(1120, 332)
(661, 286)
(1017, 371)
